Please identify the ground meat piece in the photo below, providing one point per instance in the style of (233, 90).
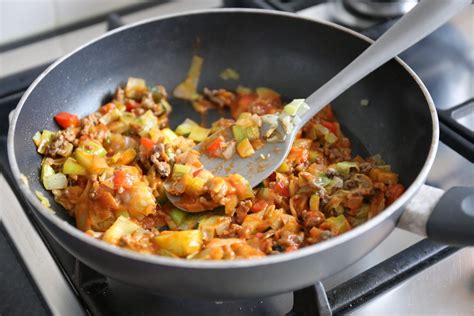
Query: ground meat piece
(88, 123)
(336, 154)
(148, 103)
(221, 97)
(61, 144)
(242, 210)
(163, 168)
(291, 240)
(365, 167)
(312, 219)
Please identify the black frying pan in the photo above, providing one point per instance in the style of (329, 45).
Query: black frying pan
(290, 54)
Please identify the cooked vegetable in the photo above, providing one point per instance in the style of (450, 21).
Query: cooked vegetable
(180, 243)
(244, 148)
(178, 216)
(229, 73)
(66, 119)
(184, 128)
(71, 167)
(198, 133)
(122, 226)
(114, 169)
(188, 88)
(55, 181)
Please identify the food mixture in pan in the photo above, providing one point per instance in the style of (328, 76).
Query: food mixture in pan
(111, 169)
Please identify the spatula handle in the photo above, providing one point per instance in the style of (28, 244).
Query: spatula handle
(422, 20)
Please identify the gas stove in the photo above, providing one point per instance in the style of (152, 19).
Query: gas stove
(405, 274)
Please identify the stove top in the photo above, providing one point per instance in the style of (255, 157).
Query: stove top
(403, 275)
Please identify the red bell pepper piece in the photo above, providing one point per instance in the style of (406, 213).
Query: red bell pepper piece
(147, 143)
(260, 206)
(107, 107)
(66, 119)
(131, 105)
(282, 189)
(213, 148)
(122, 179)
(332, 126)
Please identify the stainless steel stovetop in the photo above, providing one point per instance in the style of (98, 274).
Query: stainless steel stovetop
(443, 288)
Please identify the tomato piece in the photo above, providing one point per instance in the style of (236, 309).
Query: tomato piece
(106, 108)
(260, 206)
(66, 119)
(122, 179)
(147, 143)
(242, 104)
(131, 105)
(393, 192)
(332, 126)
(197, 172)
(282, 189)
(214, 147)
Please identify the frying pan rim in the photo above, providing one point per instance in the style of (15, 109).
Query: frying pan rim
(236, 264)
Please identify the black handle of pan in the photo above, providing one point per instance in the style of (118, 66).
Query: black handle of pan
(445, 217)
(452, 219)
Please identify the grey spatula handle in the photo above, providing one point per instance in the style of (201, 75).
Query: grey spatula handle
(422, 20)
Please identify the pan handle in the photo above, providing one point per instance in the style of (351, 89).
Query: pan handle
(445, 217)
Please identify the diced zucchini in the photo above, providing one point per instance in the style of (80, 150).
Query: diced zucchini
(338, 225)
(330, 138)
(229, 73)
(314, 203)
(293, 107)
(322, 180)
(264, 92)
(265, 193)
(146, 122)
(194, 186)
(245, 149)
(72, 167)
(314, 156)
(93, 148)
(239, 132)
(45, 139)
(135, 88)
(187, 89)
(128, 118)
(344, 167)
(199, 133)
(180, 243)
(252, 132)
(180, 170)
(93, 163)
(55, 181)
(46, 171)
(170, 136)
(244, 115)
(120, 228)
(284, 168)
(178, 216)
(37, 138)
(111, 116)
(184, 128)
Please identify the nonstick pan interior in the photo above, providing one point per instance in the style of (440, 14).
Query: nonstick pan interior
(265, 51)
